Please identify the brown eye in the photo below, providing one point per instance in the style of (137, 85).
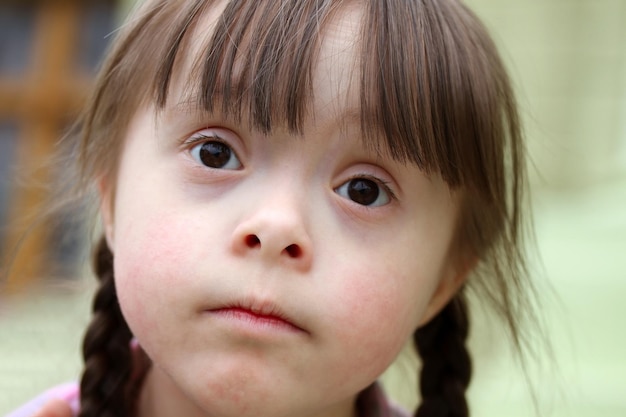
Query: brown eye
(364, 191)
(215, 154)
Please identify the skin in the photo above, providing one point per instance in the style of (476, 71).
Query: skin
(341, 286)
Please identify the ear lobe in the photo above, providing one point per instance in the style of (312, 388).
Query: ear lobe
(450, 284)
(106, 211)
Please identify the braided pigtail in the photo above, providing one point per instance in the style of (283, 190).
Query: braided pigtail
(446, 364)
(104, 386)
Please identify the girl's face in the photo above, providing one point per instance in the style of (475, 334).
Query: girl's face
(274, 275)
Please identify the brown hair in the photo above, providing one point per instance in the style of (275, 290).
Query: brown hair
(431, 84)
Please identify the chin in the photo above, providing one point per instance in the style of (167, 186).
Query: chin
(223, 391)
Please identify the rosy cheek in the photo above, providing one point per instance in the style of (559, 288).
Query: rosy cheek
(148, 268)
(377, 320)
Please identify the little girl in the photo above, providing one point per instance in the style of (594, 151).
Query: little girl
(290, 191)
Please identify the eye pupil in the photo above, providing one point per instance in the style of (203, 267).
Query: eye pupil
(363, 191)
(215, 154)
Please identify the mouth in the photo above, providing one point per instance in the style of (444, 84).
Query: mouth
(256, 317)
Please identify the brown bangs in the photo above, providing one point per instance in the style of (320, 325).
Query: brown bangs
(429, 82)
(432, 77)
(258, 62)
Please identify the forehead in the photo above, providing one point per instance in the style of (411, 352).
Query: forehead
(317, 71)
(336, 74)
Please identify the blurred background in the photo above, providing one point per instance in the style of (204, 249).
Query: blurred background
(568, 62)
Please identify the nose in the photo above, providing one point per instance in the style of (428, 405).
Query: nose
(276, 233)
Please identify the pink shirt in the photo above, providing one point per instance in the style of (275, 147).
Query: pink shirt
(66, 392)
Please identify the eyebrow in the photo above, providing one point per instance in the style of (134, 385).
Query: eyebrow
(345, 116)
(189, 107)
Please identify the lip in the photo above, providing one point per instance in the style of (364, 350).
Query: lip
(256, 317)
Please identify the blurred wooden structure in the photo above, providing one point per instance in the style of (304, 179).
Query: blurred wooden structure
(40, 101)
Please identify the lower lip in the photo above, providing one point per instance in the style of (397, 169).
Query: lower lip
(250, 321)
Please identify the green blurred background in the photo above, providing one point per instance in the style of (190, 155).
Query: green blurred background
(568, 61)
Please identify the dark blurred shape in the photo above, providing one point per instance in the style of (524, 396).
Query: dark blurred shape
(97, 27)
(7, 150)
(49, 51)
(17, 21)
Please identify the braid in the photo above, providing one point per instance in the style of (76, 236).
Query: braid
(106, 348)
(446, 368)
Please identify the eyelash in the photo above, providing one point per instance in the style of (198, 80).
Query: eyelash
(201, 138)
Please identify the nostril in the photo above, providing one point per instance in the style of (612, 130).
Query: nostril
(294, 251)
(252, 241)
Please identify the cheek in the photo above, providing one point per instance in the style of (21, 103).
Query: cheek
(150, 257)
(379, 310)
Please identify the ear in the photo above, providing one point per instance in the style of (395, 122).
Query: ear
(451, 282)
(105, 193)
